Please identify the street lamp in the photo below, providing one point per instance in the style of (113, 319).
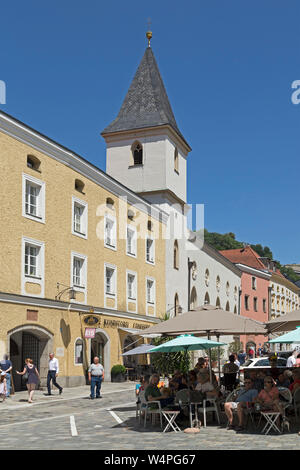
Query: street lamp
(69, 289)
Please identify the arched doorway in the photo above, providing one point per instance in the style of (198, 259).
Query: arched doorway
(100, 347)
(30, 341)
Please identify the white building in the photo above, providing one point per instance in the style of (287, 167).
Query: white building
(147, 153)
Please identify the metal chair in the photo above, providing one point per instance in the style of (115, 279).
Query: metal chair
(296, 402)
(146, 406)
(209, 404)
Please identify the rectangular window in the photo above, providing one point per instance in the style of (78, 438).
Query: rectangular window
(110, 281)
(131, 286)
(79, 276)
(33, 198)
(254, 283)
(150, 250)
(150, 291)
(78, 272)
(110, 232)
(264, 305)
(79, 217)
(33, 253)
(131, 241)
(31, 260)
(255, 304)
(247, 302)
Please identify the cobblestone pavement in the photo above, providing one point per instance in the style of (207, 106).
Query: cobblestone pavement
(73, 421)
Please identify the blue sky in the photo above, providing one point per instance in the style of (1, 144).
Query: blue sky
(227, 67)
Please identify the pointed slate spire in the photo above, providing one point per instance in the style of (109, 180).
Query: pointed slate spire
(146, 103)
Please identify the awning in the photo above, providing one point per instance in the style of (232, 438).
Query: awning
(143, 349)
(136, 332)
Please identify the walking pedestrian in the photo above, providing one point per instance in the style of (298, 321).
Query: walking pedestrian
(33, 377)
(2, 386)
(6, 366)
(96, 376)
(53, 373)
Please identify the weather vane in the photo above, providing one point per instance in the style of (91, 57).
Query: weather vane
(149, 32)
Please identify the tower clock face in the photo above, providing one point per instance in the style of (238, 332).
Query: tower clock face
(194, 271)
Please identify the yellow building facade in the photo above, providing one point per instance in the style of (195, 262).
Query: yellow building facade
(81, 255)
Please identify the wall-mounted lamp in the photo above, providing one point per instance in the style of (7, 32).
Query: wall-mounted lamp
(69, 289)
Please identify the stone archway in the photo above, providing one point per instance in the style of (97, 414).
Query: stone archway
(100, 346)
(31, 341)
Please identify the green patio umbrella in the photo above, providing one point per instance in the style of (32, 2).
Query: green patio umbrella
(186, 343)
(290, 337)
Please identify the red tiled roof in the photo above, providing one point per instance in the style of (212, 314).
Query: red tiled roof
(245, 256)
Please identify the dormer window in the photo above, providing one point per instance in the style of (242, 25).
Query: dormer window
(110, 203)
(137, 153)
(79, 185)
(130, 214)
(33, 162)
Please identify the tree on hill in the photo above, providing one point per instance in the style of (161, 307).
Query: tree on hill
(227, 241)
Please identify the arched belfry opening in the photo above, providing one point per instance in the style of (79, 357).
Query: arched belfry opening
(137, 153)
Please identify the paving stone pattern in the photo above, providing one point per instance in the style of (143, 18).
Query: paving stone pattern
(46, 425)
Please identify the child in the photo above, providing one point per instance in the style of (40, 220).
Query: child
(3, 386)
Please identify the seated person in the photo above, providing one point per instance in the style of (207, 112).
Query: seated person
(258, 381)
(153, 393)
(201, 364)
(230, 371)
(244, 396)
(268, 398)
(204, 385)
(283, 381)
(289, 376)
(144, 382)
(296, 381)
(192, 380)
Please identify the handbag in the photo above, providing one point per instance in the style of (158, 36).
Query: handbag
(25, 377)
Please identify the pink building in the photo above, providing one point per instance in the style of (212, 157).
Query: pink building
(255, 291)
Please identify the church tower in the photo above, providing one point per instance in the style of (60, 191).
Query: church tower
(145, 149)
(147, 153)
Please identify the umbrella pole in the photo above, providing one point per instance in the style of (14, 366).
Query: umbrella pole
(209, 355)
(219, 361)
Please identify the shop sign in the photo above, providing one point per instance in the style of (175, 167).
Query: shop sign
(90, 333)
(91, 320)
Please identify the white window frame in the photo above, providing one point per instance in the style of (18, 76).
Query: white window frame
(113, 219)
(153, 250)
(84, 217)
(40, 277)
(150, 303)
(133, 299)
(133, 253)
(40, 217)
(111, 295)
(77, 363)
(83, 287)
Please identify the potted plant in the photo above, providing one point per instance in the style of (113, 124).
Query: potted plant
(118, 373)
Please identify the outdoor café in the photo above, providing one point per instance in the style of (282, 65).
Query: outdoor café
(181, 396)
